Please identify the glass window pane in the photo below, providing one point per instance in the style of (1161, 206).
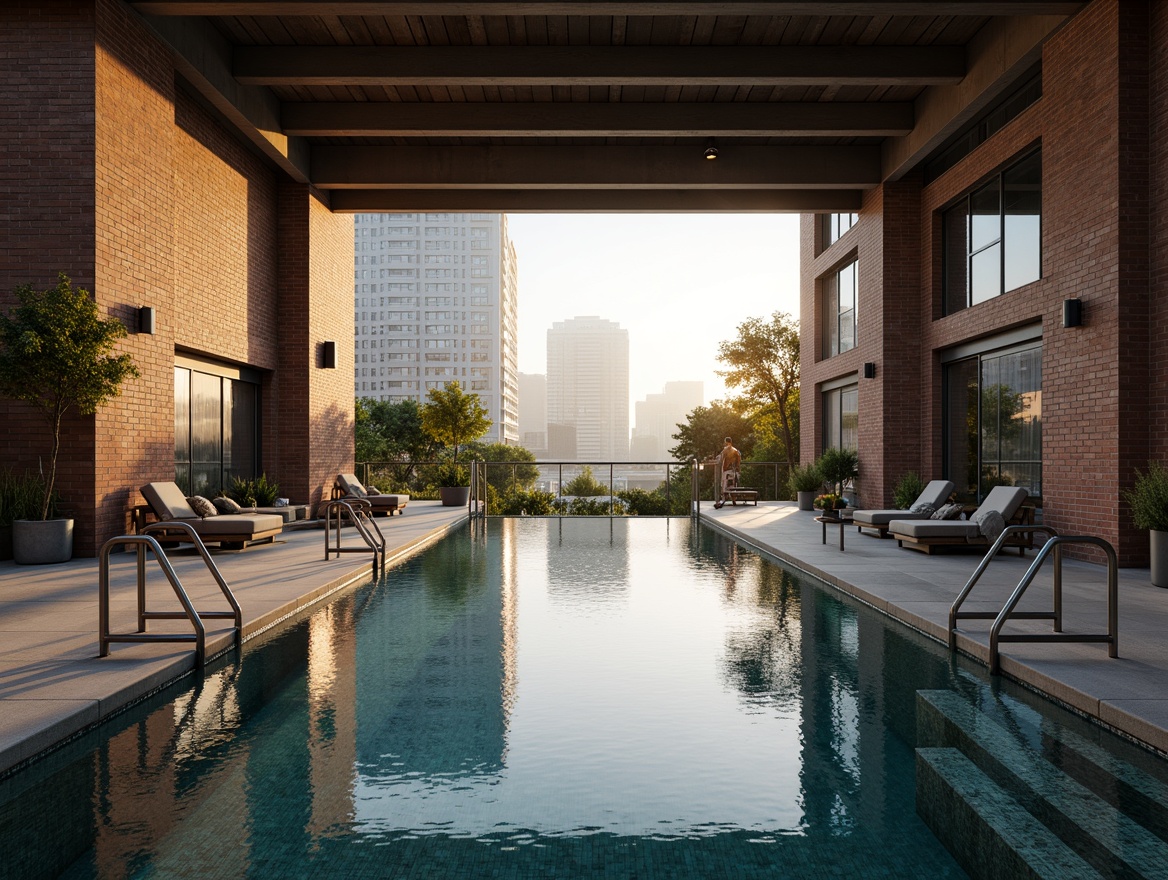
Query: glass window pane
(206, 433)
(831, 419)
(985, 271)
(847, 330)
(182, 415)
(850, 418)
(985, 217)
(954, 232)
(961, 427)
(830, 316)
(240, 454)
(1023, 217)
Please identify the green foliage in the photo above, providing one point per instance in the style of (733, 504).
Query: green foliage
(1148, 498)
(522, 473)
(638, 502)
(806, 478)
(20, 497)
(523, 503)
(57, 355)
(388, 431)
(702, 435)
(838, 465)
(590, 507)
(451, 474)
(829, 501)
(584, 485)
(253, 492)
(764, 362)
(908, 488)
(452, 417)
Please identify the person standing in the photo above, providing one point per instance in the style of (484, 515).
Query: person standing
(730, 460)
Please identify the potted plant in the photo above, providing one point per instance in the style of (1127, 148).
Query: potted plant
(452, 417)
(805, 482)
(57, 355)
(830, 503)
(908, 489)
(838, 467)
(1149, 506)
(20, 498)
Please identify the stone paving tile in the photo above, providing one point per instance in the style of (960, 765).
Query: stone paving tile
(1129, 693)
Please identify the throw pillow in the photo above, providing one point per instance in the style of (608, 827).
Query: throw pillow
(948, 511)
(202, 506)
(923, 509)
(990, 524)
(226, 505)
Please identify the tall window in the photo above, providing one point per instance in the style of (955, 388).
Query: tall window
(841, 417)
(835, 225)
(993, 422)
(216, 429)
(839, 311)
(992, 237)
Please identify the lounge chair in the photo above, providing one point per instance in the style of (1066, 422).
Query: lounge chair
(928, 502)
(926, 534)
(232, 531)
(349, 485)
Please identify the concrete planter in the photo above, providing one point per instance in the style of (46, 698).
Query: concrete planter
(454, 496)
(806, 500)
(41, 542)
(1159, 558)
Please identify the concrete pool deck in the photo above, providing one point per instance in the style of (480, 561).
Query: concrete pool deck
(53, 685)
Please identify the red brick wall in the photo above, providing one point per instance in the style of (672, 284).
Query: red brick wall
(117, 176)
(1104, 241)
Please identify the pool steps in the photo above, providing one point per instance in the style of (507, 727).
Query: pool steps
(1092, 814)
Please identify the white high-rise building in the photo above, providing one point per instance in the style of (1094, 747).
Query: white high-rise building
(533, 412)
(435, 298)
(588, 387)
(658, 416)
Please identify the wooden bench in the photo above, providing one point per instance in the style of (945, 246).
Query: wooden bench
(741, 493)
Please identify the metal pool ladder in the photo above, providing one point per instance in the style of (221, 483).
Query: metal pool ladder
(360, 513)
(1053, 546)
(146, 542)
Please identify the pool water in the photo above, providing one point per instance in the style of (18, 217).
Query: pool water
(543, 698)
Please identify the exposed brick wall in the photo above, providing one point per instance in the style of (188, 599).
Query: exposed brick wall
(316, 282)
(1104, 241)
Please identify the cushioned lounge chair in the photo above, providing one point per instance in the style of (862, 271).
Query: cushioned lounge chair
(926, 534)
(348, 484)
(231, 531)
(930, 500)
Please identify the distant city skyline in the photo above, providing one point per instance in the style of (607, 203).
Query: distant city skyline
(679, 283)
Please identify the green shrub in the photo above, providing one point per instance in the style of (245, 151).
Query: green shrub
(837, 466)
(253, 492)
(908, 488)
(638, 502)
(806, 478)
(1149, 498)
(522, 502)
(21, 496)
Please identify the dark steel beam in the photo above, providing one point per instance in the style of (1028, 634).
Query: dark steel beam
(353, 119)
(594, 167)
(597, 65)
(602, 201)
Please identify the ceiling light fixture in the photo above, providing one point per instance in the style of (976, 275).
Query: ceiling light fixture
(711, 152)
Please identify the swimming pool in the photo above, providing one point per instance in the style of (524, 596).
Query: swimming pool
(547, 698)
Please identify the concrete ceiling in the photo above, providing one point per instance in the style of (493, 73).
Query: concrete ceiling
(560, 105)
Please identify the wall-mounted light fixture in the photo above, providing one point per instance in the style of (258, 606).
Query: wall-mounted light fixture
(711, 152)
(328, 355)
(1072, 313)
(869, 371)
(146, 319)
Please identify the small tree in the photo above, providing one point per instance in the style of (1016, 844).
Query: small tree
(453, 417)
(57, 355)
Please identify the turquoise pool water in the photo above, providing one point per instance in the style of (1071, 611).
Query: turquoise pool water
(576, 698)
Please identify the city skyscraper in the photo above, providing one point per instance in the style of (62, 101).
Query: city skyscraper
(435, 299)
(658, 416)
(588, 387)
(533, 412)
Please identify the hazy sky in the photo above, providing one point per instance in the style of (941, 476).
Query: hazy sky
(679, 283)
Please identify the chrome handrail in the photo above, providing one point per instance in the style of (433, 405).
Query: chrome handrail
(1053, 545)
(146, 542)
(360, 513)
